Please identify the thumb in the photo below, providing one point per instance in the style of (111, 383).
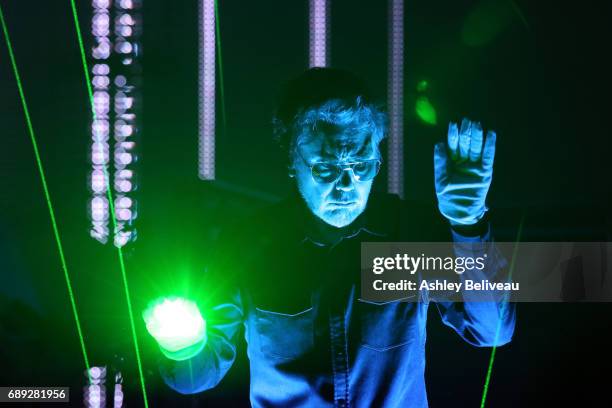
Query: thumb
(440, 164)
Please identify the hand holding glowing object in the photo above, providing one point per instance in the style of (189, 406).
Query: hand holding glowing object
(177, 326)
(463, 169)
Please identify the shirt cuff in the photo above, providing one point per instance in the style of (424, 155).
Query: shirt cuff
(481, 231)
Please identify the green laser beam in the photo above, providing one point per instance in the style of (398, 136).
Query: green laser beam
(503, 311)
(221, 83)
(520, 13)
(112, 211)
(489, 371)
(43, 180)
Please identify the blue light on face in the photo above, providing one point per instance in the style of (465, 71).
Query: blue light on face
(340, 202)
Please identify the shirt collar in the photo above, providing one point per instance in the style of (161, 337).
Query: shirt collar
(321, 234)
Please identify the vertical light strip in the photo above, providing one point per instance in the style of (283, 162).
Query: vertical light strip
(206, 148)
(118, 394)
(319, 33)
(125, 97)
(94, 394)
(100, 125)
(109, 195)
(116, 53)
(395, 95)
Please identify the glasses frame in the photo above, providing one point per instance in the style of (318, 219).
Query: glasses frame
(344, 167)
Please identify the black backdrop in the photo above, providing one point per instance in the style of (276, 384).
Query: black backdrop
(541, 82)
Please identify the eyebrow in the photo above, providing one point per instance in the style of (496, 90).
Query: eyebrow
(361, 153)
(328, 158)
(325, 155)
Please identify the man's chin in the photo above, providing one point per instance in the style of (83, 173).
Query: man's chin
(340, 218)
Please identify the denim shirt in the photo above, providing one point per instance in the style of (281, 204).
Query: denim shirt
(311, 340)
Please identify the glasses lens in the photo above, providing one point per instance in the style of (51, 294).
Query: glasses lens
(325, 172)
(330, 172)
(366, 170)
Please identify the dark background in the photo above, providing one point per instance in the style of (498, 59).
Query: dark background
(536, 72)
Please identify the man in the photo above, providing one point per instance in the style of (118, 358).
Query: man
(290, 274)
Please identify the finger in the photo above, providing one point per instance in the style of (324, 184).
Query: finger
(440, 164)
(476, 142)
(453, 139)
(488, 152)
(464, 139)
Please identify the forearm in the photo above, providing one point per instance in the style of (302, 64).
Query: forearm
(482, 318)
(483, 324)
(203, 371)
(208, 367)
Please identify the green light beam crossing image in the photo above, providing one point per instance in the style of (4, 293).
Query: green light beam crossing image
(503, 310)
(43, 180)
(111, 210)
(221, 83)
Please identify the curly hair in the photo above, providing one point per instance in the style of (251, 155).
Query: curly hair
(326, 95)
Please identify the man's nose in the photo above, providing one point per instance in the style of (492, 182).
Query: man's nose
(346, 182)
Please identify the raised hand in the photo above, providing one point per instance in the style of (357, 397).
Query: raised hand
(463, 169)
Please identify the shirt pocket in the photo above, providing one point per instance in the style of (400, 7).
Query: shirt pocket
(284, 336)
(385, 326)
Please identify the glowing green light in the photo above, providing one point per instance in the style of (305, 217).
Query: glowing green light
(112, 211)
(177, 326)
(422, 85)
(425, 111)
(46, 190)
(501, 317)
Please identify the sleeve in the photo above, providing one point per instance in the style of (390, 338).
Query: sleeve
(218, 290)
(482, 323)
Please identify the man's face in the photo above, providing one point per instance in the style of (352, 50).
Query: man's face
(341, 201)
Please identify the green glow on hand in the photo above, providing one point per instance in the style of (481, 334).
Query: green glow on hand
(425, 110)
(46, 191)
(177, 326)
(111, 210)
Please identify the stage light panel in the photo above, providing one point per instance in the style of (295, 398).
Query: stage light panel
(319, 33)
(207, 91)
(395, 95)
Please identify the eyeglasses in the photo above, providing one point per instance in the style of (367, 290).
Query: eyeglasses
(329, 172)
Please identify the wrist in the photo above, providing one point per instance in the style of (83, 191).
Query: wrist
(186, 352)
(478, 228)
